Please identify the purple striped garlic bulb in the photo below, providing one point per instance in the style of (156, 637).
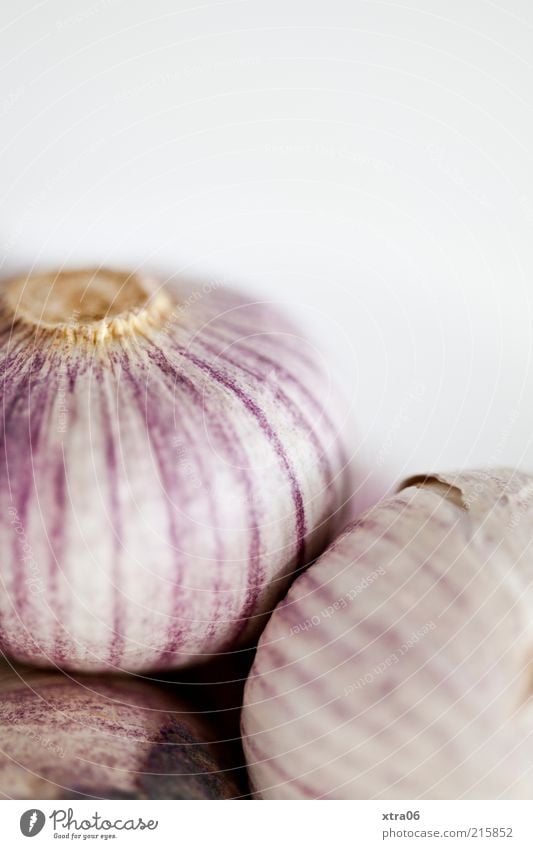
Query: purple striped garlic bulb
(399, 665)
(168, 460)
(105, 738)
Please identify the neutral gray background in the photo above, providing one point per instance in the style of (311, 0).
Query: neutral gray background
(367, 162)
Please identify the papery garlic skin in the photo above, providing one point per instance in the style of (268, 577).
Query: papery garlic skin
(167, 461)
(104, 738)
(399, 665)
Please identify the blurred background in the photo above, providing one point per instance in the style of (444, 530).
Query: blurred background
(368, 163)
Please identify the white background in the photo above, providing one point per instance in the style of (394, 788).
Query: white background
(369, 162)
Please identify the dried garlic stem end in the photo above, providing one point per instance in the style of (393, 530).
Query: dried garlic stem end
(93, 304)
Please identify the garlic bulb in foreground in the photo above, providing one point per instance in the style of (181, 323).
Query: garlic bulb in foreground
(399, 665)
(167, 461)
(106, 738)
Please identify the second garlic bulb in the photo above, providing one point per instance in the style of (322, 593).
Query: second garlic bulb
(399, 665)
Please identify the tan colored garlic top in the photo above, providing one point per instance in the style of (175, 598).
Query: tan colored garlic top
(91, 303)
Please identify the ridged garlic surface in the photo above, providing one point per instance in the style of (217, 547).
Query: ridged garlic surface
(399, 665)
(168, 459)
(104, 738)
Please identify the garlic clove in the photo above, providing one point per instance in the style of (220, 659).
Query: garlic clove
(169, 459)
(399, 665)
(90, 737)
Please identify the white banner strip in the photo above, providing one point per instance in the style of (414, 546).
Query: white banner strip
(264, 825)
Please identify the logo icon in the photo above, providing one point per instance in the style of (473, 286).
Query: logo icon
(32, 822)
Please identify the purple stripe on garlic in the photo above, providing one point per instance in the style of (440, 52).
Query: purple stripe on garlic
(161, 476)
(399, 664)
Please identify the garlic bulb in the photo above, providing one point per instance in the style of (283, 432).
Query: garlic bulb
(104, 738)
(399, 665)
(168, 460)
